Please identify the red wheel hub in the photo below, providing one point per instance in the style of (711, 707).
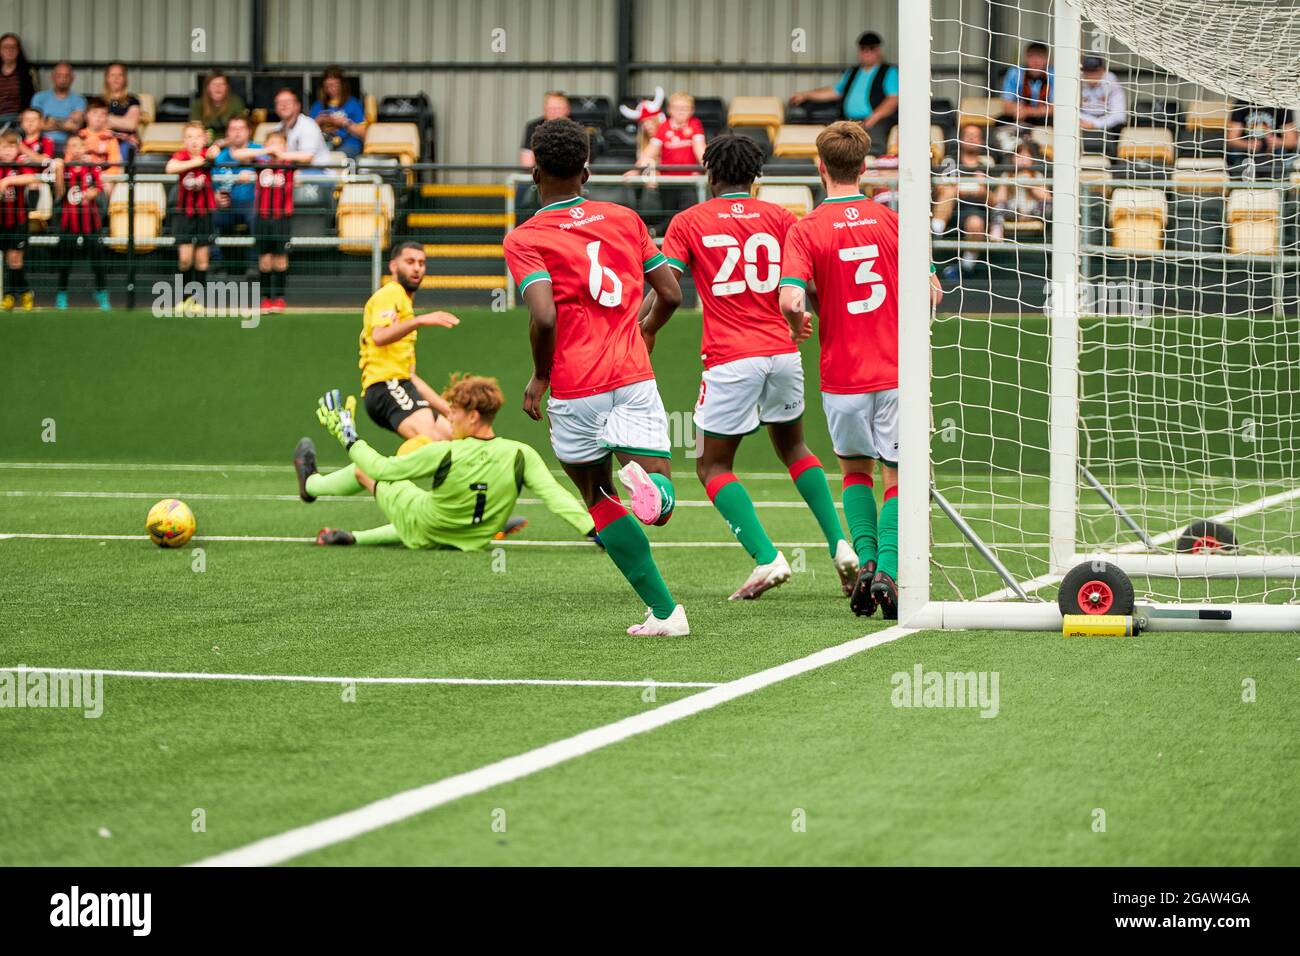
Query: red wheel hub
(1096, 597)
(1206, 545)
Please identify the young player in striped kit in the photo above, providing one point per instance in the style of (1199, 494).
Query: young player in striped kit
(81, 223)
(13, 223)
(195, 203)
(752, 373)
(580, 266)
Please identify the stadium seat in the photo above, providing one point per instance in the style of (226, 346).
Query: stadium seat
(1137, 219)
(1146, 144)
(1155, 112)
(364, 209)
(980, 110)
(410, 108)
(759, 134)
(44, 208)
(1043, 137)
(164, 138)
(260, 133)
(813, 114)
(796, 141)
(766, 111)
(797, 199)
(173, 109)
(1254, 219)
(150, 212)
(148, 107)
(1200, 174)
(338, 160)
(370, 105)
(591, 110)
(401, 140)
(712, 114)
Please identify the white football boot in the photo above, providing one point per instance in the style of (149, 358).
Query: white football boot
(764, 577)
(672, 626)
(846, 563)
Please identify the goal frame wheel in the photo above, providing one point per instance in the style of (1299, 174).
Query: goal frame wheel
(1096, 587)
(1207, 537)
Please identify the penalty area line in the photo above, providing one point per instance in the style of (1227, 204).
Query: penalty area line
(313, 679)
(408, 803)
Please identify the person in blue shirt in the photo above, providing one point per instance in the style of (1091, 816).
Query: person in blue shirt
(867, 92)
(1027, 89)
(63, 109)
(340, 115)
(234, 196)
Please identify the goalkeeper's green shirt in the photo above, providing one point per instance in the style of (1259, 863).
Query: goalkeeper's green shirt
(459, 493)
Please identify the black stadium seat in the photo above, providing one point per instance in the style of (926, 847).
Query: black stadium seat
(758, 134)
(594, 112)
(712, 112)
(266, 85)
(812, 114)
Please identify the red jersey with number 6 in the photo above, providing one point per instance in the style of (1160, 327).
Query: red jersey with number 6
(732, 246)
(848, 249)
(595, 255)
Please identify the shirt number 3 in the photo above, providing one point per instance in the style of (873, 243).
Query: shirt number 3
(865, 257)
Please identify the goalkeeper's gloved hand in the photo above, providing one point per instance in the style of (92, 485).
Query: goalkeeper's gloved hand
(337, 415)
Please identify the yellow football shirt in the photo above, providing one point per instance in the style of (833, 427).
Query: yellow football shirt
(379, 363)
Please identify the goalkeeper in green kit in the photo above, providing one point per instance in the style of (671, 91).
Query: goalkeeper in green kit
(467, 487)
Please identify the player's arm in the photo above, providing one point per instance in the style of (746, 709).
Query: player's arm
(27, 179)
(383, 335)
(184, 165)
(796, 282)
(421, 463)
(540, 300)
(559, 502)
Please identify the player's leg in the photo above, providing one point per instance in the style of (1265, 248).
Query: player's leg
(576, 429)
(425, 423)
(7, 242)
(264, 279)
(848, 417)
(396, 404)
(280, 268)
(21, 289)
(67, 251)
(99, 270)
(636, 431)
(884, 426)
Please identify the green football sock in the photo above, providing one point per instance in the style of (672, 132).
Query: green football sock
(341, 482)
(860, 513)
(385, 535)
(810, 481)
(888, 560)
(629, 549)
(667, 493)
(732, 500)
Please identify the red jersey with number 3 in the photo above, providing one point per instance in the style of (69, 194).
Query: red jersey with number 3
(848, 249)
(732, 246)
(595, 255)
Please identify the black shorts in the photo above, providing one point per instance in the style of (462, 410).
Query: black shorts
(194, 230)
(392, 402)
(13, 237)
(78, 245)
(271, 235)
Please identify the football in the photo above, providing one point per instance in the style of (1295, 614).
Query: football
(170, 523)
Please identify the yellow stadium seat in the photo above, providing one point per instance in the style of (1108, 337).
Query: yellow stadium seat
(164, 138)
(393, 139)
(1200, 174)
(364, 210)
(1151, 144)
(44, 210)
(150, 211)
(766, 111)
(1208, 115)
(1137, 219)
(259, 133)
(797, 199)
(1254, 218)
(371, 108)
(148, 107)
(980, 110)
(796, 141)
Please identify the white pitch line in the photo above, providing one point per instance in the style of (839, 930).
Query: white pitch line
(400, 806)
(311, 679)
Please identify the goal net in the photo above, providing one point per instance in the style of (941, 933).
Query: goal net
(1114, 372)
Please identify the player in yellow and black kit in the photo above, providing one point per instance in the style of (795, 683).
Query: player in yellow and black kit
(395, 397)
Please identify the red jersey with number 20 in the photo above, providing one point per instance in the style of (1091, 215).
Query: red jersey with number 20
(848, 248)
(732, 245)
(595, 255)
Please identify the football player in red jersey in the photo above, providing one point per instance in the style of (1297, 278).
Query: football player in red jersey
(752, 373)
(847, 249)
(81, 223)
(195, 203)
(580, 266)
(273, 210)
(14, 181)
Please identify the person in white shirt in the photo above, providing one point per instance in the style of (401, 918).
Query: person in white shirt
(1103, 105)
(306, 143)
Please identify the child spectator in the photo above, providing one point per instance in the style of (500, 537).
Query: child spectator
(13, 223)
(195, 203)
(1023, 201)
(964, 191)
(81, 224)
(273, 202)
(35, 147)
(678, 142)
(101, 144)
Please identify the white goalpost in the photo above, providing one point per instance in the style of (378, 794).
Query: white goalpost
(1111, 388)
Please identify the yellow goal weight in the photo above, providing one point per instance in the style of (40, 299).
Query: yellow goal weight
(1099, 625)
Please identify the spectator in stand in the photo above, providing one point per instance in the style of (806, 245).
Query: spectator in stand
(554, 106)
(234, 195)
(63, 109)
(677, 142)
(964, 194)
(340, 115)
(123, 109)
(1023, 202)
(81, 224)
(17, 83)
(216, 105)
(195, 203)
(867, 92)
(35, 147)
(305, 142)
(1103, 106)
(1258, 140)
(273, 202)
(14, 183)
(101, 144)
(1027, 89)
